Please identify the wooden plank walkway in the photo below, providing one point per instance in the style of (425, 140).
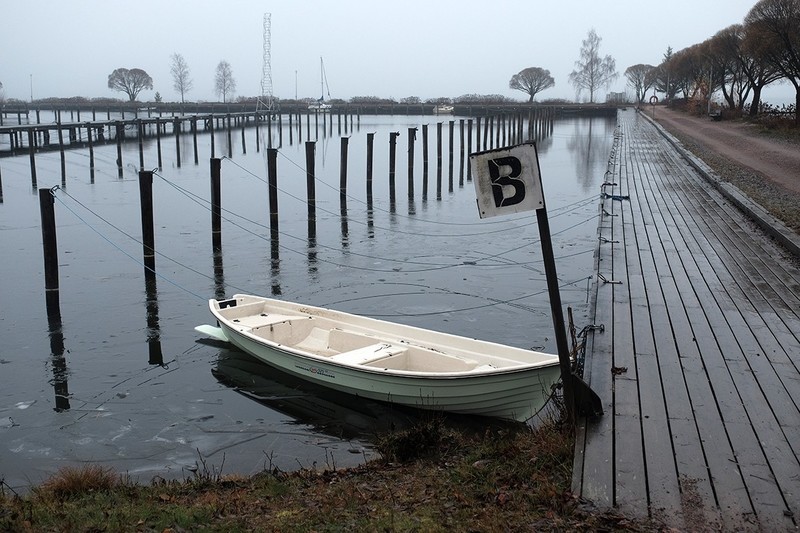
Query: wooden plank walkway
(699, 363)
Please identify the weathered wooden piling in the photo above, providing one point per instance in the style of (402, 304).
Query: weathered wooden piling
(216, 204)
(272, 179)
(438, 160)
(424, 162)
(193, 126)
(450, 156)
(140, 135)
(392, 153)
(148, 227)
(158, 144)
(32, 151)
(244, 141)
(469, 149)
(310, 181)
(228, 132)
(49, 244)
(370, 147)
(119, 132)
(412, 137)
(62, 154)
(461, 152)
(176, 127)
(343, 168)
(91, 152)
(486, 132)
(211, 135)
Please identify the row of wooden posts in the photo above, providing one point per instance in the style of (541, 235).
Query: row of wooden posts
(497, 131)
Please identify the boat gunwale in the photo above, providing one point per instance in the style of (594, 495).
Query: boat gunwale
(461, 374)
(361, 368)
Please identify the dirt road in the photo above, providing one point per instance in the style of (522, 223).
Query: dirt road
(765, 168)
(776, 160)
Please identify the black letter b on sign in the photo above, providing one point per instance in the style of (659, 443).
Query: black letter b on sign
(503, 172)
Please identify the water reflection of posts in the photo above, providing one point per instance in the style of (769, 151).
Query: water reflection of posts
(155, 355)
(58, 361)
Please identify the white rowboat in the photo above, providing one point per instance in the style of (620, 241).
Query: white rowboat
(387, 361)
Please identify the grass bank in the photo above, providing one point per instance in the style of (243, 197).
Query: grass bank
(430, 478)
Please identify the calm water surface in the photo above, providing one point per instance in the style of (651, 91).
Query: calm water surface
(120, 378)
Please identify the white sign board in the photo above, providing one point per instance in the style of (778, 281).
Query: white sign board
(507, 180)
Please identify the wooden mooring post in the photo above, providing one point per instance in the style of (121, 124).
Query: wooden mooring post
(438, 160)
(392, 155)
(119, 131)
(343, 168)
(424, 162)
(216, 204)
(450, 156)
(370, 147)
(310, 181)
(272, 179)
(49, 248)
(32, 151)
(176, 127)
(412, 137)
(148, 227)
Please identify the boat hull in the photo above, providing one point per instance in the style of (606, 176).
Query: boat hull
(514, 393)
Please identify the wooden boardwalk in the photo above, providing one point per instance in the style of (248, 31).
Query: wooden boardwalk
(699, 363)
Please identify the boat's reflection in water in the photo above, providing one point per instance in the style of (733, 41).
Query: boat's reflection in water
(328, 411)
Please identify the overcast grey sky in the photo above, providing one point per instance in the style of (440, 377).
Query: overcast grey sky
(424, 48)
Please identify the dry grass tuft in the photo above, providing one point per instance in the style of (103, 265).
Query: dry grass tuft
(74, 481)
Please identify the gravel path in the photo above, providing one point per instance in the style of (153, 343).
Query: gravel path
(766, 169)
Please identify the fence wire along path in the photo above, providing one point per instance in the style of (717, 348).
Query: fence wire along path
(698, 364)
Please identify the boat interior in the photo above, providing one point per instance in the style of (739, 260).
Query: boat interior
(324, 337)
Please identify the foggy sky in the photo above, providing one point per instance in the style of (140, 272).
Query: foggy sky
(424, 48)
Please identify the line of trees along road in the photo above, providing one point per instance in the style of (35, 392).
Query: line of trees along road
(739, 60)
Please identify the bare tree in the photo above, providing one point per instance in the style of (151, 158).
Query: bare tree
(777, 22)
(531, 81)
(130, 82)
(224, 82)
(640, 78)
(757, 66)
(591, 71)
(182, 82)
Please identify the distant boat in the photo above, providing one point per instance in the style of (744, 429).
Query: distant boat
(386, 361)
(320, 104)
(443, 109)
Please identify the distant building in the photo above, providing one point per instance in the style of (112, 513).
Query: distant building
(617, 98)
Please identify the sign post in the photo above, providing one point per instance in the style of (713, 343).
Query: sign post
(508, 181)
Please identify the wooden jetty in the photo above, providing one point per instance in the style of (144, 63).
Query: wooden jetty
(698, 365)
